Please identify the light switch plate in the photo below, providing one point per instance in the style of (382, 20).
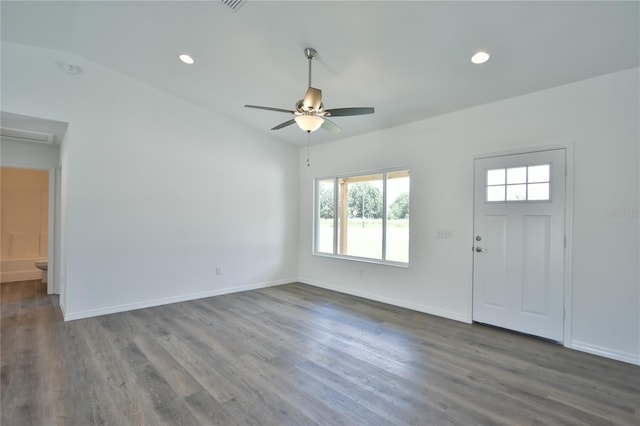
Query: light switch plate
(444, 233)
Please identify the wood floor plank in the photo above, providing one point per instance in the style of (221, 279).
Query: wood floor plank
(292, 355)
(171, 370)
(208, 410)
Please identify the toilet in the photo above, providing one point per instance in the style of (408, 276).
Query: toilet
(43, 266)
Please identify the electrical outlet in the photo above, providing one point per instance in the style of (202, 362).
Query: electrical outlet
(218, 270)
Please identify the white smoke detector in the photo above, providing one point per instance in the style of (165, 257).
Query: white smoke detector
(71, 69)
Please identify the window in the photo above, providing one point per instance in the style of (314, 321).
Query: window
(527, 183)
(363, 216)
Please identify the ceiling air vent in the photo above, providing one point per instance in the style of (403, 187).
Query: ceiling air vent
(234, 4)
(26, 135)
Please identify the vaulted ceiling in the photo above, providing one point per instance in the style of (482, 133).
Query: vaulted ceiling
(410, 60)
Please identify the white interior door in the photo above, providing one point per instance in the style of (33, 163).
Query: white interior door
(519, 242)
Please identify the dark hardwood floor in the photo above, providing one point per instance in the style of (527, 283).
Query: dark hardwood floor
(292, 355)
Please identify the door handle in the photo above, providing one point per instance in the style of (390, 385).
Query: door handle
(480, 249)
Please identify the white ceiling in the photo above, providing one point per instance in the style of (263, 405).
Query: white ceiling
(410, 60)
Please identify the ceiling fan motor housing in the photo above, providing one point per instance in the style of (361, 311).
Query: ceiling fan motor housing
(312, 99)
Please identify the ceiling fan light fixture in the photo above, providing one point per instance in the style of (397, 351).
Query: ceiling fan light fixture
(309, 123)
(187, 59)
(480, 57)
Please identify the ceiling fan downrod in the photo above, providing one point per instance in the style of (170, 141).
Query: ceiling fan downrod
(310, 53)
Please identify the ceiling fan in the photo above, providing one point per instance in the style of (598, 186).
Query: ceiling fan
(309, 113)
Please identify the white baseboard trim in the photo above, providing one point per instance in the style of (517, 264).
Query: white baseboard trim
(63, 308)
(628, 357)
(70, 316)
(395, 302)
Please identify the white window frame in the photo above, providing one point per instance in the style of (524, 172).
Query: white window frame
(316, 216)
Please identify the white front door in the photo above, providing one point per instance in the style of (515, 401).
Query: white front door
(519, 241)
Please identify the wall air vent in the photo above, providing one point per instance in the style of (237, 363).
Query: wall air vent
(234, 4)
(26, 135)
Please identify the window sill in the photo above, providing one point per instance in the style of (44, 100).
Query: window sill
(363, 259)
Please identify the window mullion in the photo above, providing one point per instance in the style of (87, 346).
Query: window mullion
(335, 216)
(384, 216)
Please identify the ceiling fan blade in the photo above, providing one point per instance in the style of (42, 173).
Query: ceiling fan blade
(341, 112)
(285, 124)
(330, 126)
(270, 108)
(312, 99)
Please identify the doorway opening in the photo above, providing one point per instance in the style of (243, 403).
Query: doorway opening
(32, 144)
(24, 203)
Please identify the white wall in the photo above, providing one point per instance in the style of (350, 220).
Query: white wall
(156, 192)
(599, 117)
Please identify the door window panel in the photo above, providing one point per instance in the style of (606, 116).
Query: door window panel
(517, 184)
(516, 175)
(516, 192)
(539, 173)
(495, 177)
(495, 193)
(538, 191)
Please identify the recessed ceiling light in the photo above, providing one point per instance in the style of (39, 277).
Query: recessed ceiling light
(480, 57)
(186, 59)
